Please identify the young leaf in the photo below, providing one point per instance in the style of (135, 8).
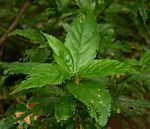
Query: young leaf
(62, 54)
(41, 75)
(64, 109)
(95, 96)
(104, 67)
(82, 40)
(34, 35)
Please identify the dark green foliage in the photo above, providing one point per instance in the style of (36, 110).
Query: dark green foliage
(31, 34)
(95, 97)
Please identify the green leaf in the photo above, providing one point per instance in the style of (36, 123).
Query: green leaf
(62, 4)
(20, 68)
(95, 96)
(36, 55)
(117, 8)
(34, 35)
(42, 75)
(141, 17)
(62, 54)
(103, 67)
(7, 123)
(64, 109)
(132, 107)
(82, 40)
(86, 4)
(145, 59)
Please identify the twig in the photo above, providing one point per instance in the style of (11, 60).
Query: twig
(12, 26)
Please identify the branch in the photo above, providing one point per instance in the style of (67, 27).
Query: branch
(12, 26)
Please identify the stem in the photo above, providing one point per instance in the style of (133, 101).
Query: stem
(77, 80)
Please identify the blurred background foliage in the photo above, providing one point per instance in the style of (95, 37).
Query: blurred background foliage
(124, 30)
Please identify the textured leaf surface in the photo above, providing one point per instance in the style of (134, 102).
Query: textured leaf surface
(103, 67)
(41, 75)
(34, 35)
(20, 68)
(82, 40)
(64, 109)
(62, 54)
(95, 97)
